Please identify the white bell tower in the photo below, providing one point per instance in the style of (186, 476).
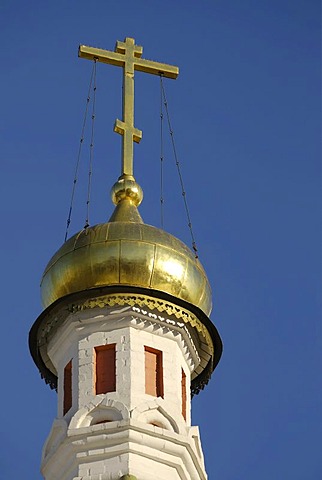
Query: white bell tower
(125, 336)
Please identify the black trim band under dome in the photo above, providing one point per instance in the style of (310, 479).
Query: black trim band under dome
(61, 306)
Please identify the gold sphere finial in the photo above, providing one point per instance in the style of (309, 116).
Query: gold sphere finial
(127, 188)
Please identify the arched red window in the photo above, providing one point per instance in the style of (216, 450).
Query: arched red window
(105, 371)
(153, 372)
(68, 397)
(184, 393)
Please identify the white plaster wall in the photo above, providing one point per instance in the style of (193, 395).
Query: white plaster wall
(173, 361)
(79, 336)
(86, 348)
(70, 353)
(142, 468)
(108, 451)
(130, 367)
(82, 449)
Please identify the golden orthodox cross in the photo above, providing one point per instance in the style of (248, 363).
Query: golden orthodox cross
(128, 55)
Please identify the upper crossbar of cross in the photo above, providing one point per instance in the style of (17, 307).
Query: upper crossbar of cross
(128, 55)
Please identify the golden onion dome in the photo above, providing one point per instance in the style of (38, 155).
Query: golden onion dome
(125, 251)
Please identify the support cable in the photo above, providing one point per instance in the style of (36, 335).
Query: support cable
(79, 155)
(91, 149)
(161, 156)
(194, 246)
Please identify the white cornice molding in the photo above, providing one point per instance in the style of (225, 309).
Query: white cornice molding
(80, 324)
(128, 437)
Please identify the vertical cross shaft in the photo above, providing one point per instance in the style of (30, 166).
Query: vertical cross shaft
(128, 56)
(126, 127)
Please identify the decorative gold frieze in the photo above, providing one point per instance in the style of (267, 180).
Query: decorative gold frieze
(153, 304)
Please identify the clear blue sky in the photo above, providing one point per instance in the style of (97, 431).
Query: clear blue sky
(246, 116)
